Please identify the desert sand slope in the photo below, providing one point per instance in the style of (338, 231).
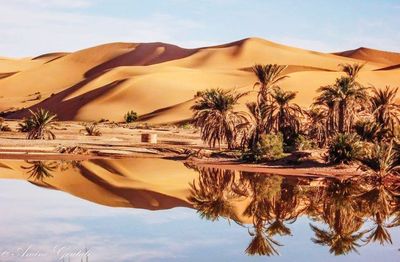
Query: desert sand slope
(372, 55)
(159, 80)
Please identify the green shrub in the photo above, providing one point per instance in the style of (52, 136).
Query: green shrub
(303, 143)
(26, 125)
(344, 148)
(381, 160)
(270, 147)
(92, 130)
(131, 116)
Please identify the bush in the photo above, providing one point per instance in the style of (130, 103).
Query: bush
(270, 147)
(131, 116)
(302, 143)
(92, 130)
(4, 127)
(344, 148)
(26, 125)
(381, 160)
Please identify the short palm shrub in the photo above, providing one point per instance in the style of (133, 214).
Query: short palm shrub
(4, 127)
(344, 149)
(381, 160)
(92, 130)
(130, 116)
(269, 147)
(39, 124)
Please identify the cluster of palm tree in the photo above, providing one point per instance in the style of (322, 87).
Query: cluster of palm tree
(341, 109)
(275, 202)
(347, 106)
(273, 111)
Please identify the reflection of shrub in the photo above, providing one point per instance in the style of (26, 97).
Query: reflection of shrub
(303, 143)
(270, 147)
(131, 116)
(344, 148)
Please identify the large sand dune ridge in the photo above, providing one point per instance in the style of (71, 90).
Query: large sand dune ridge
(159, 80)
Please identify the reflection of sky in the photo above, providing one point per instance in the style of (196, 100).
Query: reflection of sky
(44, 219)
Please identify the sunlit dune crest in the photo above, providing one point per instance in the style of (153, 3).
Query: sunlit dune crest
(159, 80)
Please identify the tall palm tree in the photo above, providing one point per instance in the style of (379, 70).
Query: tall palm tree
(40, 124)
(352, 70)
(348, 95)
(384, 108)
(317, 125)
(214, 114)
(267, 76)
(327, 103)
(285, 115)
(259, 122)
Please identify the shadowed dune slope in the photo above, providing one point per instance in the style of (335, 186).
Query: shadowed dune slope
(372, 55)
(159, 80)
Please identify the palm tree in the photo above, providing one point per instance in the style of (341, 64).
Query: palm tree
(214, 114)
(352, 70)
(347, 94)
(258, 123)
(267, 76)
(384, 108)
(39, 124)
(327, 104)
(285, 115)
(317, 125)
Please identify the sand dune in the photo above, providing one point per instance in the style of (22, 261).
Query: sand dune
(159, 80)
(372, 55)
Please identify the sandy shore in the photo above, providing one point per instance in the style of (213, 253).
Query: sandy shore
(124, 141)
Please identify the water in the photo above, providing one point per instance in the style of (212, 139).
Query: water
(161, 210)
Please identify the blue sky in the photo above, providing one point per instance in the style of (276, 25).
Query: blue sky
(33, 27)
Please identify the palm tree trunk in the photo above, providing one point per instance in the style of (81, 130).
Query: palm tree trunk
(342, 115)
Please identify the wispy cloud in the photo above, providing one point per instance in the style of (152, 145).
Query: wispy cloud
(28, 30)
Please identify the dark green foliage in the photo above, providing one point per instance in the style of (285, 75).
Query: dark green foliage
(131, 116)
(344, 148)
(269, 147)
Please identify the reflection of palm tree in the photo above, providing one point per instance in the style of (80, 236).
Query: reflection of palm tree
(284, 209)
(340, 242)
(340, 213)
(212, 194)
(39, 170)
(378, 204)
(379, 232)
(262, 244)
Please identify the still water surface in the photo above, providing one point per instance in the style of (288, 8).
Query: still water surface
(161, 210)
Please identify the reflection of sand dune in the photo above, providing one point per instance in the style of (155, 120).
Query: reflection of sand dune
(159, 80)
(154, 184)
